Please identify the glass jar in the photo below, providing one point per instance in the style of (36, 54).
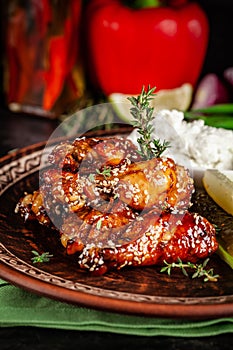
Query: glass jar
(43, 72)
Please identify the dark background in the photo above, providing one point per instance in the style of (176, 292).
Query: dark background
(219, 54)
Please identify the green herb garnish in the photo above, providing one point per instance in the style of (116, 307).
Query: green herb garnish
(40, 258)
(99, 224)
(199, 269)
(106, 172)
(91, 177)
(142, 114)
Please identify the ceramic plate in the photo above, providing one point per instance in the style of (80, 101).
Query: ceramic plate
(138, 291)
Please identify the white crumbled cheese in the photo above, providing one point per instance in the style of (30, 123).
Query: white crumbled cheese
(193, 144)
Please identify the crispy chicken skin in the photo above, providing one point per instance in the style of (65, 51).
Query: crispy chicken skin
(155, 183)
(113, 209)
(161, 237)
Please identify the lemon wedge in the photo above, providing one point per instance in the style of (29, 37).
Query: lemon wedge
(179, 98)
(219, 185)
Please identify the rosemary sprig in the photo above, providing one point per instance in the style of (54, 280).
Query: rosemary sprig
(199, 269)
(40, 258)
(142, 115)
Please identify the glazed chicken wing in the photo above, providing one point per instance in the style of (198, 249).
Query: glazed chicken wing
(153, 239)
(112, 208)
(155, 183)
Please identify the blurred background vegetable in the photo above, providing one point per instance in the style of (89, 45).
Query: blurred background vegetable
(210, 90)
(212, 100)
(163, 45)
(228, 76)
(81, 87)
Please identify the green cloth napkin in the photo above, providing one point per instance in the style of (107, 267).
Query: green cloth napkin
(21, 308)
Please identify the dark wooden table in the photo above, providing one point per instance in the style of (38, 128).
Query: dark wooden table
(18, 131)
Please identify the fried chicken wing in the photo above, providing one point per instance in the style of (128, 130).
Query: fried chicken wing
(31, 207)
(158, 182)
(113, 209)
(89, 152)
(99, 227)
(161, 237)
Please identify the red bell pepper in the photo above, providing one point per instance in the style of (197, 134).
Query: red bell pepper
(161, 46)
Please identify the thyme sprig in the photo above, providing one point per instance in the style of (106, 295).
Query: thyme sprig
(40, 258)
(199, 270)
(142, 114)
(106, 172)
